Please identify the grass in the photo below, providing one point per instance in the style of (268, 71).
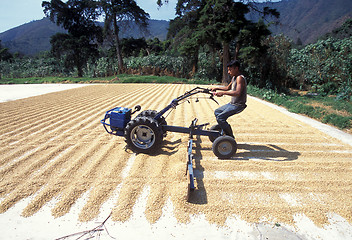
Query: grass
(325, 109)
(123, 78)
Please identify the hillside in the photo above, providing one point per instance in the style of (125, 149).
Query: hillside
(33, 37)
(30, 38)
(307, 20)
(304, 20)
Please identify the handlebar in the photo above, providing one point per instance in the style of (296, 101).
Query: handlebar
(186, 95)
(195, 91)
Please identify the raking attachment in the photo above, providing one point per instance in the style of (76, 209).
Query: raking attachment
(189, 170)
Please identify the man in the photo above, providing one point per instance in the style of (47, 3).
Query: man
(237, 89)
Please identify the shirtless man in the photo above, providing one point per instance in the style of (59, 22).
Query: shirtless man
(237, 89)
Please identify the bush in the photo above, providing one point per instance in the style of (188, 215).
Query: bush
(209, 67)
(325, 64)
(303, 105)
(337, 120)
(40, 66)
(345, 92)
(171, 64)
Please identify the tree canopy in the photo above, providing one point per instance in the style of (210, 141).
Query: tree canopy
(5, 55)
(125, 11)
(215, 23)
(78, 18)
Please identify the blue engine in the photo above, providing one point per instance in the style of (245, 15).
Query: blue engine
(118, 119)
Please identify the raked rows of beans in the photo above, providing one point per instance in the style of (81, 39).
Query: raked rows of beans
(54, 149)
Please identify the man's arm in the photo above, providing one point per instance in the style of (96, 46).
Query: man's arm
(222, 88)
(239, 88)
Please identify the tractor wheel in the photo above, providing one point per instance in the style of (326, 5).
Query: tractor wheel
(224, 147)
(147, 113)
(143, 134)
(152, 114)
(214, 128)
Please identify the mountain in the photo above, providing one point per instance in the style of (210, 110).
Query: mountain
(30, 38)
(307, 20)
(300, 20)
(33, 37)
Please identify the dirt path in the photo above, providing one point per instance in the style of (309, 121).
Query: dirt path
(54, 147)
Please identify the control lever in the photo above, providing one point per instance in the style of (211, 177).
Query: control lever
(136, 109)
(211, 95)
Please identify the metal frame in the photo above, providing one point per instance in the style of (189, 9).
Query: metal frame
(186, 95)
(193, 129)
(117, 132)
(174, 103)
(189, 169)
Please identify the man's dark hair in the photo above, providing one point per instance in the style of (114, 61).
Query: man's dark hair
(234, 63)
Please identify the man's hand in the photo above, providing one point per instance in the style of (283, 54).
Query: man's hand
(219, 94)
(213, 89)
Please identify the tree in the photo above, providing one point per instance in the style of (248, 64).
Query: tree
(5, 55)
(75, 51)
(222, 20)
(185, 33)
(78, 18)
(344, 31)
(254, 53)
(214, 23)
(274, 65)
(186, 39)
(132, 46)
(161, 2)
(120, 11)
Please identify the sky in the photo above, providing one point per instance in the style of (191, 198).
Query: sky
(14, 13)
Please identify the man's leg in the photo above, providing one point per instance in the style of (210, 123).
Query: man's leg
(223, 113)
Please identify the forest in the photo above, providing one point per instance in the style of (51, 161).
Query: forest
(201, 40)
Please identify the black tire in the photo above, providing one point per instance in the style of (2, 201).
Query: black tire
(144, 135)
(151, 114)
(147, 113)
(224, 147)
(214, 128)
